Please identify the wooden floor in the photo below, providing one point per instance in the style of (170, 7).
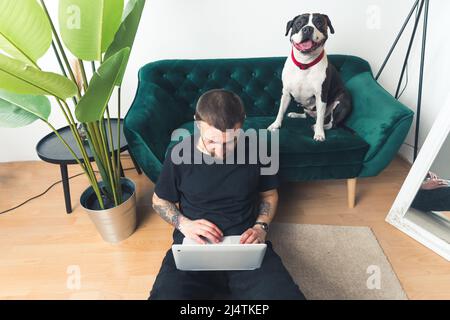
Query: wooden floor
(41, 246)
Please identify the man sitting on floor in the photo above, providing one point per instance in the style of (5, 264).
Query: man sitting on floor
(210, 200)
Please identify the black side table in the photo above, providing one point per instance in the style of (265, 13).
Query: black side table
(51, 149)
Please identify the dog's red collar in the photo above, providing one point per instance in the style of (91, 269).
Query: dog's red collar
(307, 65)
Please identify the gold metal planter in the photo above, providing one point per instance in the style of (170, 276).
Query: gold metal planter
(117, 223)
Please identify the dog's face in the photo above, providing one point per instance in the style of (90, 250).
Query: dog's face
(309, 32)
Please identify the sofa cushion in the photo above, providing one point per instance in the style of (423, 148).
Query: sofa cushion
(342, 152)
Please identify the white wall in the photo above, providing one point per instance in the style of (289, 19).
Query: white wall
(255, 28)
(441, 165)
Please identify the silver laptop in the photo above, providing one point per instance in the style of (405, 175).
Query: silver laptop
(226, 255)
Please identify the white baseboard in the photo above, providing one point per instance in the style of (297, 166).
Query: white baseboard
(406, 152)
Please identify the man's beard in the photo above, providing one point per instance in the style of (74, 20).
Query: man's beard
(226, 151)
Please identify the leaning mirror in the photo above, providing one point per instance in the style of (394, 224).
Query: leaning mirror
(422, 207)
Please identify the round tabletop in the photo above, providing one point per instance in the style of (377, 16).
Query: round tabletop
(51, 149)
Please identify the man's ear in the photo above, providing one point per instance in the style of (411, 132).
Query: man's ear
(289, 25)
(329, 24)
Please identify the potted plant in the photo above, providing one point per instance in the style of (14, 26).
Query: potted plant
(100, 33)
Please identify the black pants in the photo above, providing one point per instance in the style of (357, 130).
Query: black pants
(432, 200)
(270, 282)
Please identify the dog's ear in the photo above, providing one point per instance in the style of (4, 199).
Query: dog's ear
(289, 25)
(329, 23)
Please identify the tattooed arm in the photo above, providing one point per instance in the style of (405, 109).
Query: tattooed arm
(168, 211)
(267, 207)
(193, 229)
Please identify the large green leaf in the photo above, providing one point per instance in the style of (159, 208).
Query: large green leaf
(18, 110)
(25, 31)
(18, 77)
(88, 26)
(92, 105)
(127, 32)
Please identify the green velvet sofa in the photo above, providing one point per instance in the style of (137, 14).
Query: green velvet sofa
(168, 91)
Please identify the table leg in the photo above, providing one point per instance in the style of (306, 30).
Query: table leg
(65, 183)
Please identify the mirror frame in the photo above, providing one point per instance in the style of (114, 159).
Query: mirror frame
(428, 153)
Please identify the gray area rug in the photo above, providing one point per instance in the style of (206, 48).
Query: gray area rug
(335, 262)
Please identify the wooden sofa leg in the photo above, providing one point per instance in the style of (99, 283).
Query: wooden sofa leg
(351, 192)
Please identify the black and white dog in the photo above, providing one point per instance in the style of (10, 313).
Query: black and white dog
(307, 77)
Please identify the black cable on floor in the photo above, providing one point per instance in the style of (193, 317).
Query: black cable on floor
(54, 184)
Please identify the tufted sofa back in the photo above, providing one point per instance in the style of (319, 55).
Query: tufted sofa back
(169, 89)
(256, 80)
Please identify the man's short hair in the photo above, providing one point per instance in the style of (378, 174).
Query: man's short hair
(221, 109)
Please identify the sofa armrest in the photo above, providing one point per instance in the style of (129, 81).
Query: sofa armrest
(148, 126)
(381, 120)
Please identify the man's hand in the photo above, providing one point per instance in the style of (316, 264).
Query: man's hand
(433, 175)
(195, 229)
(253, 235)
(432, 184)
(267, 206)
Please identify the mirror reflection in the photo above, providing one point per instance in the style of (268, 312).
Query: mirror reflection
(430, 208)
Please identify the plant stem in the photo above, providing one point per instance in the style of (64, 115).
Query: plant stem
(97, 139)
(94, 185)
(77, 137)
(72, 152)
(73, 128)
(113, 155)
(119, 93)
(68, 110)
(61, 66)
(61, 49)
(89, 127)
(99, 154)
(83, 74)
(100, 151)
(108, 160)
(91, 132)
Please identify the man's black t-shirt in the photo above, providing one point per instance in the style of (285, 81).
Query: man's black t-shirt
(224, 194)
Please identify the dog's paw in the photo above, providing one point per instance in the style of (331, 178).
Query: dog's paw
(296, 115)
(319, 135)
(274, 126)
